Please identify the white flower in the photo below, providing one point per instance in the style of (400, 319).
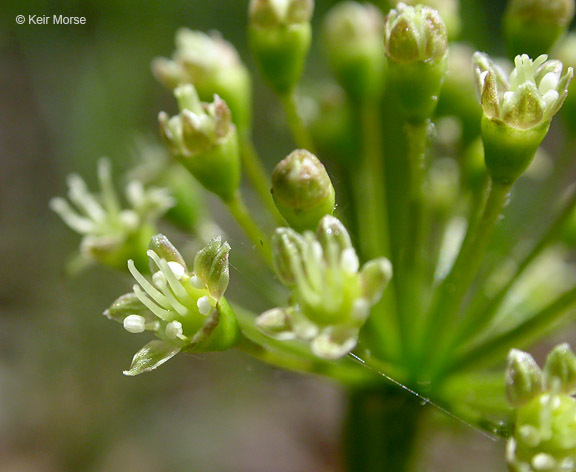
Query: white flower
(532, 94)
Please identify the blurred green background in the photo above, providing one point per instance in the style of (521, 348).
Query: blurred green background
(68, 95)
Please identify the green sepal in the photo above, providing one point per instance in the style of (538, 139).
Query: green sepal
(218, 168)
(151, 356)
(223, 335)
(560, 370)
(418, 85)
(281, 53)
(126, 305)
(523, 378)
(509, 151)
(211, 265)
(165, 249)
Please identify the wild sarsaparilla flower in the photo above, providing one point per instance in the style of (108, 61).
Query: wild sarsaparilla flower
(330, 295)
(204, 139)
(185, 310)
(517, 110)
(110, 233)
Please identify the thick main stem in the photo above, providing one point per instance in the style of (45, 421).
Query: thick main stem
(380, 430)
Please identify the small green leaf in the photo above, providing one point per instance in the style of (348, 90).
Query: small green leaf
(151, 356)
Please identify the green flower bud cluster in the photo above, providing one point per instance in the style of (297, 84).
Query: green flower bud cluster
(518, 110)
(416, 43)
(204, 139)
(111, 234)
(353, 38)
(280, 36)
(213, 66)
(185, 310)
(533, 26)
(330, 297)
(545, 432)
(302, 190)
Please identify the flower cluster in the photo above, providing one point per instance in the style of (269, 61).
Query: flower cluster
(331, 298)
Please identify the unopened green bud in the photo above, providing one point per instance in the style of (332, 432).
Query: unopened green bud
(416, 43)
(186, 311)
(448, 9)
(302, 190)
(280, 35)
(213, 66)
(211, 265)
(517, 110)
(523, 378)
(560, 370)
(533, 26)
(353, 38)
(203, 138)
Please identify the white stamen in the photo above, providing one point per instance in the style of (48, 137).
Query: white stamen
(196, 282)
(174, 329)
(204, 306)
(159, 280)
(177, 269)
(360, 309)
(530, 435)
(134, 324)
(543, 461)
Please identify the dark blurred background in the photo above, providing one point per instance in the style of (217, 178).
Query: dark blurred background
(68, 95)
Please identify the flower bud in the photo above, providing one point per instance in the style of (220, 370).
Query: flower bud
(186, 311)
(448, 10)
(331, 299)
(213, 66)
(523, 378)
(302, 190)
(280, 35)
(353, 41)
(416, 43)
(111, 234)
(533, 26)
(517, 110)
(560, 370)
(203, 138)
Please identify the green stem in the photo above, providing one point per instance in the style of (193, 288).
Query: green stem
(257, 175)
(495, 349)
(455, 286)
(479, 320)
(295, 122)
(380, 430)
(293, 355)
(372, 212)
(242, 215)
(413, 254)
